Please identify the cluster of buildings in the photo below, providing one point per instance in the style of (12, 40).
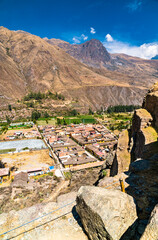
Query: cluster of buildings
(6, 174)
(72, 146)
(96, 139)
(26, 133)
(79, 144)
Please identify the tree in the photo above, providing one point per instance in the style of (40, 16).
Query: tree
(10, 107)
(73, 112)
(35, 115)
(90, 112)
(46, 115)
(8, 120)
(64, 122)
(58, 121)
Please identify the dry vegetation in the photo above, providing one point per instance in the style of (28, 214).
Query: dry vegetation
(27, 160)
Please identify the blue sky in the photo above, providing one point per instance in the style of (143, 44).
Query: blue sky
(128, 26)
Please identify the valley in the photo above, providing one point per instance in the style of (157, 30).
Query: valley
(78, 140)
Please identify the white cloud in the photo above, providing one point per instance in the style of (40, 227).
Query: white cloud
(146, 50)
(92, 30)
(84, 37)
(109, 38)
(77, 40)
(133, 6)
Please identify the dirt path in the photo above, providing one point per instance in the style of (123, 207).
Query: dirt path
(57, 190)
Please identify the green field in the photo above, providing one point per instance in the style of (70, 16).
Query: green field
(22, 126)
(117, 121)
(46, 121)
(2, 151)
(76, 119)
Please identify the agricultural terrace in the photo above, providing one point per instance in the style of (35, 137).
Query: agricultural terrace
(116, 121)
(85, 119)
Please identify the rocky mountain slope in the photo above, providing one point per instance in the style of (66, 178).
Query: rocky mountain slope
(94, 54)
(28, 62)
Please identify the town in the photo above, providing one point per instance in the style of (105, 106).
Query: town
(67, 148)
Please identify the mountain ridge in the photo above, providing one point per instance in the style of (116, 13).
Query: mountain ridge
(30, 63)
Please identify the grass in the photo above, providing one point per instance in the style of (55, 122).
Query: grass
(78, 119)
(151, 134)
(43, 175)
(46, 121)
(19, 127)
(67, 175)
(7, 150)
(38, 176)
(118, 121)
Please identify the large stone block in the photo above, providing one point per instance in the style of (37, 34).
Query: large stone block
(105, 214)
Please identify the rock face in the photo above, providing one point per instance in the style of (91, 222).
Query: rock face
(94, 54)
(141, 179)
(141, 119)
(143, 133)
(151, 231)
(143, 185)
(91, 52)
(151, 103)
(122, 158)
(144, 156)
(105, 214)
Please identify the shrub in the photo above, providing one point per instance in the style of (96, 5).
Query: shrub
(104, 173)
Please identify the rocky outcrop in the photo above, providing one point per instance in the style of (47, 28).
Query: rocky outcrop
(113, 182)
(60, 224)
(151, 231)
(151, 103)
(122, 158)
(105, 214)
(144, 143)
(143, 185)
(141, 181)
(143, 134)
(141, 119)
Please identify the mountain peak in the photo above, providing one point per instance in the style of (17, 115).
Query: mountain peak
(91, 52)
(93, 41)
(94, 51)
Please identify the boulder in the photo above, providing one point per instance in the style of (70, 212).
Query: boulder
(113, 182)
(105, 214)
(151, 231)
